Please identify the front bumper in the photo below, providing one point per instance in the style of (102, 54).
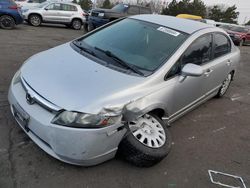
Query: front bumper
(97, 21)
(77, 146)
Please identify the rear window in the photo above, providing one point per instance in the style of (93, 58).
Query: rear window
(141, 44)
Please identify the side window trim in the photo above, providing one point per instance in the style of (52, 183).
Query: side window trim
(179, 61)
(213, 51)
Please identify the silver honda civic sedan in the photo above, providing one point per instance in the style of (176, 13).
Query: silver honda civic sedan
(115, 90)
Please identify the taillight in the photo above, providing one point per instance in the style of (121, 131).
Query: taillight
(13, 7)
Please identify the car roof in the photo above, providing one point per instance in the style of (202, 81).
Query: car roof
(180, 24)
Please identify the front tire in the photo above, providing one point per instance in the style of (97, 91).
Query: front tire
(7, 22)
(148, 141)
(35, 20)
(225, 85)
(90, 27)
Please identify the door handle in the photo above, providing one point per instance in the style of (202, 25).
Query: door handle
(229, 62)
(208, 72)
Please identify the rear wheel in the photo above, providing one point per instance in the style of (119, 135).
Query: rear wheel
(76, 24)
(225, 85)
(35, 20)
(7, 22)
(147, 142)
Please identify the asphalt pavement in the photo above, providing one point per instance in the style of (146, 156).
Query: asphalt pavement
(214, 136)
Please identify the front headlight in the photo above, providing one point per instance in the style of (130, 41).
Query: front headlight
(101, 14)
(82, 120)
(237, 36)
(17, 77)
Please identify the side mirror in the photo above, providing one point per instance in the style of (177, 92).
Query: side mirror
(191, 70)
(30, 1)
(46, 8)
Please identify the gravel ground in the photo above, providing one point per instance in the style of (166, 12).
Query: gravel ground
(214, 136)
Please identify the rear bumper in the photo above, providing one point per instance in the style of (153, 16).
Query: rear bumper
(77, 146)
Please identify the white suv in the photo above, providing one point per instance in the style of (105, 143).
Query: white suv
(69, 14)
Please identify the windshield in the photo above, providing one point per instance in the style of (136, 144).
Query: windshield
(141, 44)
(120, 7)
(239, 29)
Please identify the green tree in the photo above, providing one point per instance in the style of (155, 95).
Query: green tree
(195, 7)
(228, 15)
(107, 4)
(85, 4)
(215, 13)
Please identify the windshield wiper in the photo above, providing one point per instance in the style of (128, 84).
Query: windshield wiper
(84, 49)
(120, 61)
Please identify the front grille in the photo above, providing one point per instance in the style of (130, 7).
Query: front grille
(44, 103)
(95, 14)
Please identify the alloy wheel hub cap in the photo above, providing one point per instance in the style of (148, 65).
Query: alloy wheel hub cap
(148, 131)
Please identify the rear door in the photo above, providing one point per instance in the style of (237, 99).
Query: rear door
(215, 72)
(67, 12)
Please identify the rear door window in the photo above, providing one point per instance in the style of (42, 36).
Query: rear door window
(222, 45)
(68, 7)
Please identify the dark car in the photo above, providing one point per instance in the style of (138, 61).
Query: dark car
(10, 14)
(99, 17)
(239, 34)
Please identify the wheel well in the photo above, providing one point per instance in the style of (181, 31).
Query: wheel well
(76, 19)
(232, 72)
(159, 112)
(8, 15)
(35, 14)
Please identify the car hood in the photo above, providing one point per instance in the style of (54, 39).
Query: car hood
(75, 83)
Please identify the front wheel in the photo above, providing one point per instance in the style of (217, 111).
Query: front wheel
(225, 85)
(7, 22)
(35, 20)
(90, 27)
(148, 141)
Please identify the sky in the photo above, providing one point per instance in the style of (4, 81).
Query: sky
(242, 5)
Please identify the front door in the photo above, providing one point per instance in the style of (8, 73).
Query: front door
(52, 13)
(190, 91)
